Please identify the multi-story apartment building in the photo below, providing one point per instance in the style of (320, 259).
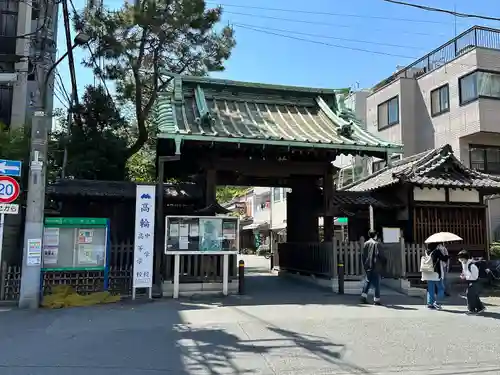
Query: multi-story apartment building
(27, 50)
(449, 96)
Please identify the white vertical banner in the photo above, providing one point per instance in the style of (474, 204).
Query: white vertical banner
(144, 236)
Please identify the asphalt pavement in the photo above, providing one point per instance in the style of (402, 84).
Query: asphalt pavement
(279, 327)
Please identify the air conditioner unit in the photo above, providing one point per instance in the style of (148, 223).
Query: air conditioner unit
(8, 77)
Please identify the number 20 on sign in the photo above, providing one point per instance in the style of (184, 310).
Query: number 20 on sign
(9, 189)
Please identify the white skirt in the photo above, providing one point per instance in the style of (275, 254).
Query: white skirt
(430, 276)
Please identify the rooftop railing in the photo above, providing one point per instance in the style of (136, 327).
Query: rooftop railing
(477, 36)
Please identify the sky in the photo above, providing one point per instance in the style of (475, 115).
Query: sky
(357, 44)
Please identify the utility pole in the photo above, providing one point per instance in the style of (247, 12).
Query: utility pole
(20, 91)
(35, 204)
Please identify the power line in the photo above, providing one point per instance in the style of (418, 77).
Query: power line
(440, 10)
(69, 48)
(318, 23)
(328, 36)
(93, 58)
(269, 32)
(60, 84)
(302, 11)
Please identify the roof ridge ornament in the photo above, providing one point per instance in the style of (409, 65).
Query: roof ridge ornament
(346, 130)
(178, 96)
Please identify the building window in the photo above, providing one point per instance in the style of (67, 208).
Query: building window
(379, 164)
(276, 194)
(35, 10)
(479, 85)
(440, 100)
(388, 113)
(485, 159)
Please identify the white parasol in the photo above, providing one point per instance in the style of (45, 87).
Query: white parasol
(443, 237)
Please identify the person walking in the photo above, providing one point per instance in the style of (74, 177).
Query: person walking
(431, 267)
(446, 269)
(373, 263)
(470, 273)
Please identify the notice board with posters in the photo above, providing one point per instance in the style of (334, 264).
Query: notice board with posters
(202, 234)
(72, 243)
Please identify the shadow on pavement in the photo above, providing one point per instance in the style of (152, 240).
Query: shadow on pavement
(270, 289)
(148, 338)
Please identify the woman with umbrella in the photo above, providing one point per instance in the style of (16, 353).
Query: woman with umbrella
(433, 269)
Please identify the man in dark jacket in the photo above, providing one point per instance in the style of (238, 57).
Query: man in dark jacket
(373, 262)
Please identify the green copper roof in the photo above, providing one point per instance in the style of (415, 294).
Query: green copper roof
(229, 111)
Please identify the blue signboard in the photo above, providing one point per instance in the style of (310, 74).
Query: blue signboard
(10, 168)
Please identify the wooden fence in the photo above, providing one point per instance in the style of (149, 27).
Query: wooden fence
(120, 276)
(201, 268)
(322, 259)
(194, 268)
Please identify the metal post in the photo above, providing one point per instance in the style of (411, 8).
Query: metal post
(341, 278)
(241, 277)
(2, 221)
(30, 276)
(271, 236)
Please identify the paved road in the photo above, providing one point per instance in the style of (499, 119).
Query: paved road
(280, 327)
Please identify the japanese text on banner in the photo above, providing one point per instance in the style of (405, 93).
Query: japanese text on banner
(144, 236)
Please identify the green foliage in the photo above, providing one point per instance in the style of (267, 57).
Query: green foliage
(139, 43)
(14, 144)
(495, 250)
(141, 166)
(226, 193)
(96, 150)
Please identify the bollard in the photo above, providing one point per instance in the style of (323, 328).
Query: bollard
(241, 277)
(341, 278)
(271, 258)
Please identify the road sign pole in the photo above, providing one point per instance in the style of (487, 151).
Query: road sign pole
(2, 221)
(31, 269)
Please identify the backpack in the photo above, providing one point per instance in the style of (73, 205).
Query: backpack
(426, 263)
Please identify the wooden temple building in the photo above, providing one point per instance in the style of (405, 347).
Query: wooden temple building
(248, 134)
(429, 192)
(218, 132)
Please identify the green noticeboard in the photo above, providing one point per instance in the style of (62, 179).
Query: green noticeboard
(75, 243)
(75, 221)
(341, 220)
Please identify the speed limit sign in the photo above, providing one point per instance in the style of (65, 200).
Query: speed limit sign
(9, 189)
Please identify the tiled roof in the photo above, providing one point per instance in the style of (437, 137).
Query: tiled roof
(117, 189)
(212, 210)
(343, 198)
(438, 167)
(218, 110)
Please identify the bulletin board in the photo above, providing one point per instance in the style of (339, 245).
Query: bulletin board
(201, 233)
(75, 244)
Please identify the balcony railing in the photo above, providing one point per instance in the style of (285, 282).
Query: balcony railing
(477, 36)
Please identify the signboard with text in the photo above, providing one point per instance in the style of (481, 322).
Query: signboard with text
(144, 236)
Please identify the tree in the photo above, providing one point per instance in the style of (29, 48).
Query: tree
(14, 144)
(227, 193)
(139, 43)
(97, 148)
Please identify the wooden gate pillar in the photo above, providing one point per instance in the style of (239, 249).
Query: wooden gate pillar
(210, 186)
(160, 228)
(302, 212)
(328, 227)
